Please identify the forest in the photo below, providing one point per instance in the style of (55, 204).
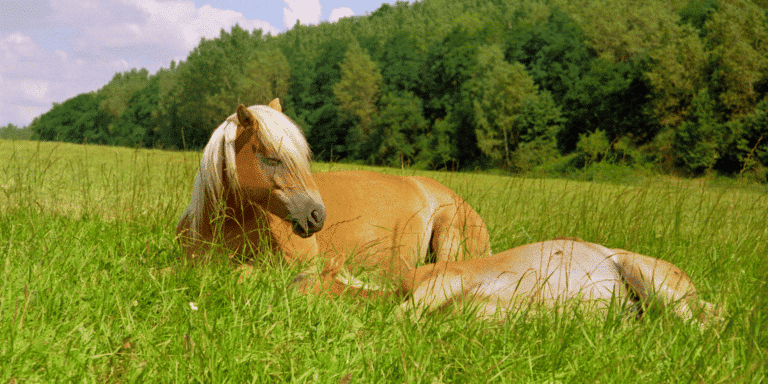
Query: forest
(550, 86)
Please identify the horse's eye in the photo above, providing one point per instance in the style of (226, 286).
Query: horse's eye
(271, 162)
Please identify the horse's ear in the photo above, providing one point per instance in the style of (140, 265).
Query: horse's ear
(275, 104)
(245, 117)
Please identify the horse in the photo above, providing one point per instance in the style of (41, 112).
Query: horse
(254, 191)
(554, 274)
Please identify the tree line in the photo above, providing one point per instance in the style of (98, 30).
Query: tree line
(678, 85)
(12, 132)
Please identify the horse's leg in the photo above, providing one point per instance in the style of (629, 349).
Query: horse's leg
(660, 282)
(319, 285)
(430, 286)
(334, 281)
(459, 233)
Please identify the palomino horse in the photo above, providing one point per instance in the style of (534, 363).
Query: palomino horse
(254, 188)
(554, 273)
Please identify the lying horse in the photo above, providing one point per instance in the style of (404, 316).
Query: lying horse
(254, 188)
(553, 274)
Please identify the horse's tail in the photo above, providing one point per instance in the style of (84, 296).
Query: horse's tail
(658, 282)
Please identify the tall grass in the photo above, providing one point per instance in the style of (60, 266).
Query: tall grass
(109, 182)
(86, 242)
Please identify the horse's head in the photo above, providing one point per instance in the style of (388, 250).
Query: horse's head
(272, 167)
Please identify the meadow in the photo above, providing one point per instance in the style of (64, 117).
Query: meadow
(87, 240)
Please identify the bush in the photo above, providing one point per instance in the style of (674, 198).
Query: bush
(593, 146)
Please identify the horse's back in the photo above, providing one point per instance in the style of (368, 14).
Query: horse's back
(557, 273)
(368, 199)
(564, 269)
(376, 216)
(551, 271)
(372, 217)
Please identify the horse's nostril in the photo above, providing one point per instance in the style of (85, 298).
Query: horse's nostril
(316, 215)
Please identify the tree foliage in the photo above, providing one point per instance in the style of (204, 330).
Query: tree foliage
(116, 94)
(137, 124)
(210, 82)
(676, 74)
(77, 120)
(737, 34)
(328, 133)
(357, 93)
(696, 141)
(679, 85)
(400, 135)
(266, 76)
(12, 132)
(401, 62)
(497, 94)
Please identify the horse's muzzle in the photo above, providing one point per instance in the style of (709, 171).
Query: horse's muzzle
(310, 223)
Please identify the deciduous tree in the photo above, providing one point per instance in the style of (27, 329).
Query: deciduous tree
(267, 76)
(118, 91)
(357, 93)
(497, 95)
(400, 130)
(738, 35)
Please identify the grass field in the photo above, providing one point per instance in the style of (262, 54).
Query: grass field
(86, 231)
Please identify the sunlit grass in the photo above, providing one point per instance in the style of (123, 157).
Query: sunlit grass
(94, 287)
(110, 182)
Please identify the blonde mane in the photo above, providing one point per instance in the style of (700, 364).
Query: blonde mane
(277, 132)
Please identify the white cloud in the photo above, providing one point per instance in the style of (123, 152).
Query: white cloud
(109, 36)
(32, 79)
(35, 89)
(181, 20)
(339, 13)
(158, 26)
(305, 11)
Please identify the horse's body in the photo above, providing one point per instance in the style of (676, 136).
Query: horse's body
(254, 189)
(554, 273)
(393, 222)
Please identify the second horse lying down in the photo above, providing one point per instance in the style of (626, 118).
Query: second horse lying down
(555, 273)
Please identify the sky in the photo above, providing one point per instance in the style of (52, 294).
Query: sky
(53, 50)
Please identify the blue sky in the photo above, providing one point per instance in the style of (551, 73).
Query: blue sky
(52, 50)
